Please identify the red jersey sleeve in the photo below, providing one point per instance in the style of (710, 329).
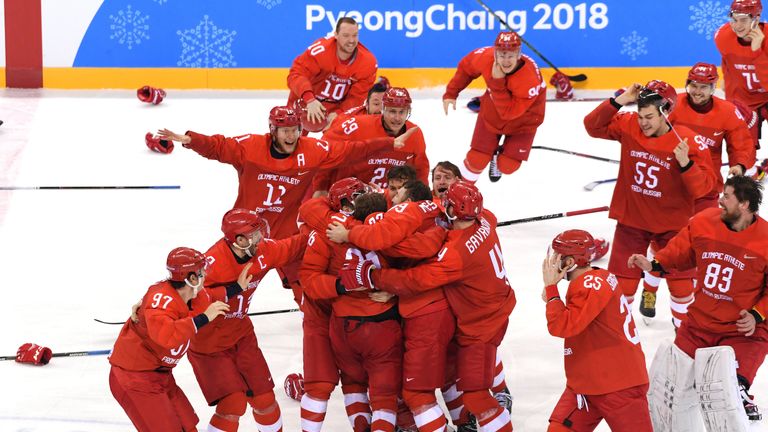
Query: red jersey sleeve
(586, 297)
(162, 328)
(441, 270)
(700, 178)
(420, 160)
(741, 147)
(606, 122)
(466, 72)
(678, 253)
(315, 281)
(303, 67)
(334, 153)
(218, 147)
(419, 245)
(400, 221)
(277, 253)
(316, 212)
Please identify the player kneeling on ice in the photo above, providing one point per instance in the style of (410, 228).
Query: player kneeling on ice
(147, 350)
(596, 322)
(718, 350)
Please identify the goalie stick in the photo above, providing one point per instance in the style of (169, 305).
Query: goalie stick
(553, 216)
(68, 354)
(250, 314)
(577, 78)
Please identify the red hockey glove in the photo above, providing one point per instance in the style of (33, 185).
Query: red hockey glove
(35, 354)
(356, 274)
(159, 145)
(562, 85)
(294, 386)
(150, 95)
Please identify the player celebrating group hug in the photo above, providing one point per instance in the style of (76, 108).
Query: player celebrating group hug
(403, 287)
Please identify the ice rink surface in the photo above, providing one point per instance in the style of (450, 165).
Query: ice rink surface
(67, 257)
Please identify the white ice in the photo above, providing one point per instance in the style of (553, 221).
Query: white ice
(67, 257)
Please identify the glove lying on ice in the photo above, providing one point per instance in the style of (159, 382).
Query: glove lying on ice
(150, 95)
(294, 386)
(562, 85)
(33, 353)
(159, 145)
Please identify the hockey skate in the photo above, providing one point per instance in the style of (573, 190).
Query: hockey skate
(760, 170)
(469, 426)
(493, 168)
(505, 399)
(648, 306)
(474, 104)
(753, 414)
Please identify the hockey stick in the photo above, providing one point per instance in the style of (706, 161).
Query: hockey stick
(250, 314)
(553, 216)
(584, 155)
(84, 187)
(577, 78)
(68, 354)
(594, 184)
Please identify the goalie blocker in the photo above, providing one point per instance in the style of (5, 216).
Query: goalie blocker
(680, 383)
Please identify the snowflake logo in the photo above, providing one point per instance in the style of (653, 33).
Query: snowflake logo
(206, 46)
(707, 17)
(269, 4)
(634, 45)
(160, 2)
(129, 27)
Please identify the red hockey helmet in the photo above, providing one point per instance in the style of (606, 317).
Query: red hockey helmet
(240, 222)
(507, 41)
(576, 243)
(704, 73)
(182, 261)
(746, 7)
(311, 126)
(347, 188)
(465, 199)
(283, 116)
(396, 97)
(660, 94)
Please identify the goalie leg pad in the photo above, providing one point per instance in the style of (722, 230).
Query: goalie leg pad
(718, 390)
(671, 396)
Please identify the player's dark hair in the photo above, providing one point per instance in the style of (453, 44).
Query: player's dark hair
(178, 284)
(746, 188)
(344, 20)
(448, 166)
(368, 203)
(648, 98)
(405, 173)
(377, 88)
(416, 190)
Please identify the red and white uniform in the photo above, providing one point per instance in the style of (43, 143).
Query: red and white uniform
(317, 73)
(143, 357)
(225, 354)
(731, 270)
(717, 121)
(596, 323)
(744, 71)
(365, 336)
(512, 106)
(374, 168)
(275, 186)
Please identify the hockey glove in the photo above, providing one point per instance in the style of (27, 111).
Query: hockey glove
(355, 275)
(159, 145)
(562, 85)
(294, 386)
(150, 95)
(33, 353)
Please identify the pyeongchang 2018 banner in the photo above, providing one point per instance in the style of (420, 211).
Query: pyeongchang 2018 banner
(401, 33)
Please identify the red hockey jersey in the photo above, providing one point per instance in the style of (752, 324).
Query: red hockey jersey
(317, 73)
(513, 104)
(731, 267)
(652, 192)
(596, 323)
(744, 70)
